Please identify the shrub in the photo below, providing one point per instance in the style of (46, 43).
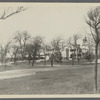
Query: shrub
(89, 56)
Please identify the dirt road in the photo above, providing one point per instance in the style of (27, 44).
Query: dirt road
(26, 72)
(22, 72)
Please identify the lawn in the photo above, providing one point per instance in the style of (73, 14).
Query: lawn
(25, 65)
(66, 79)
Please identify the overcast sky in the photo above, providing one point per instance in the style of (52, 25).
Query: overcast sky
(46, 19)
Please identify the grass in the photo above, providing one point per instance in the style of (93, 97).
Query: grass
(25, 65)
(67, 79)
(21, 65)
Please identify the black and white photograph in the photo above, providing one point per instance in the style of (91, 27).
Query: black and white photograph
(49, 49)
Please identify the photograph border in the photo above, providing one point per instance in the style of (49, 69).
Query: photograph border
(51, 97)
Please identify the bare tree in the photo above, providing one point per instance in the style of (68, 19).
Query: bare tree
(1, 55)
(58, 46)
(73, 41)
(25, 39)
(37, 41)
(14, 52)
(33, 48)
(4, 52)
(93, 21)
(21, 39)
(4, 16)
(74, 46)
(18, 38)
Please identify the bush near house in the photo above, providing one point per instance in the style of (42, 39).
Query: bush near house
(89, 56)
(58, 56)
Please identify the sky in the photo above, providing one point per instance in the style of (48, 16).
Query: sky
(49, 20)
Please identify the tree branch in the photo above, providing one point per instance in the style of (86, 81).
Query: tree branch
(92, 34)
(19, 9)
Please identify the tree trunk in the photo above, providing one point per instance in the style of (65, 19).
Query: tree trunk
(51, 63)
(45, 59)
(78, 60)
(29, 59)
(72, 61)
(96, 65)
(22, 57)
(15, 60)
(5, 60)
(34, 55)
(33, 61)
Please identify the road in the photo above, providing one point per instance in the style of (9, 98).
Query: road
(22, 72)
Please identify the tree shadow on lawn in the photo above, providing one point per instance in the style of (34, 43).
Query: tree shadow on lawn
(25, 65)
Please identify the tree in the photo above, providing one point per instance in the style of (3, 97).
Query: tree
(52, 59)
(93, 21)
(21, 38)
(14, 52)
(33, 47)
(74, 46)
(4, 16)
(37, 42)
(88, 42)
(57, 46)
(89, 56)
(73, 41)
(29, 50)
(44, 48)
(4, 51)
